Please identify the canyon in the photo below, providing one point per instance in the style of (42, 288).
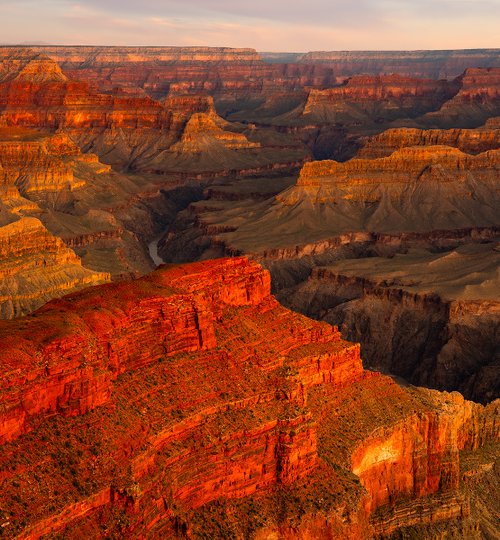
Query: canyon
(220, 402)
(302, 204)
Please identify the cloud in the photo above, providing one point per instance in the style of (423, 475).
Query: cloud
(263, 24)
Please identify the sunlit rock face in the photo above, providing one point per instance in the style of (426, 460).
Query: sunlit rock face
(36, 266)
(220, 402)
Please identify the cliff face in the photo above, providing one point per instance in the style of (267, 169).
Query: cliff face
(477, 100)
(430, 318)
(222, 72)
(43, 169)
(414, 189)
(424, 64)
(242, 72)
(377, 99)
(36, 266)
(128, 129)
(421, 195)
(80, 200)
(469, 141)
(170, 405)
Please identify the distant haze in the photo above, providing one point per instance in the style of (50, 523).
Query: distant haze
(271, 25)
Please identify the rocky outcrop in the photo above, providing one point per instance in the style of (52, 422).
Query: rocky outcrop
(477, 100)
(430, 318)
(24, 65)
(414, 189)
(376, 99)
(424, 195)
(202, 131)
(469, 141)
(42, 169)
(130, 130)
(190, 403)
(36, 266)
(95, 211)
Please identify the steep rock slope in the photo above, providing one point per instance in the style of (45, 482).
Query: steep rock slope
(36, 266)
(469, 141)
(421, 191)
(242, 72)
(190, 403)
(126, 129)
(477, 100)
(377, 99)
(77, 198)
(431, 318)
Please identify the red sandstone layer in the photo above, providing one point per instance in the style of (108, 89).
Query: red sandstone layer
(147, 406)
(470, 141)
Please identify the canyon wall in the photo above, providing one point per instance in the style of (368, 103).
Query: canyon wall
(36, 266)
(189, 402)
(365, 99)
(469, 141)
(429, 318)
(424, 64)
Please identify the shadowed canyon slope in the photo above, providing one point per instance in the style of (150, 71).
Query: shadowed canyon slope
(109, 214)
(190, 403)
(432, 318)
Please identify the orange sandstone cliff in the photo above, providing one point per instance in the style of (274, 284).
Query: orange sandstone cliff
(36, 266)
(470, 141)
(417, 193)
(189, 403)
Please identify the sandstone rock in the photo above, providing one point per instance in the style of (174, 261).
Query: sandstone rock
(414, 195)
(477, 100)
(190, 402)
(469, 141)
(379, 99)
(36, 266)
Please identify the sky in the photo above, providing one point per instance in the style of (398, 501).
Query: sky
(265, 25)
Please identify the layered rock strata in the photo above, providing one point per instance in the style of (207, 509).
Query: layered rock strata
(469, 141)
(377, 99)
(477, 100)
(36, 266)
(242, 72)
(438, 312)
(428, 195)
(424, 64)
(190, 403)
(130, 130)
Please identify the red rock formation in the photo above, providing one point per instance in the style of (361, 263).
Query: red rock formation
(470, 141)
(404, 187)
(160, 70)
(165, 406)
(125, 129)
(477, 100)
(424, 64)
(241, 72)
(36, 266)
(377, 99)
(41, 168)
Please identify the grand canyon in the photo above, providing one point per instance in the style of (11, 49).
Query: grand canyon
(249, 295)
